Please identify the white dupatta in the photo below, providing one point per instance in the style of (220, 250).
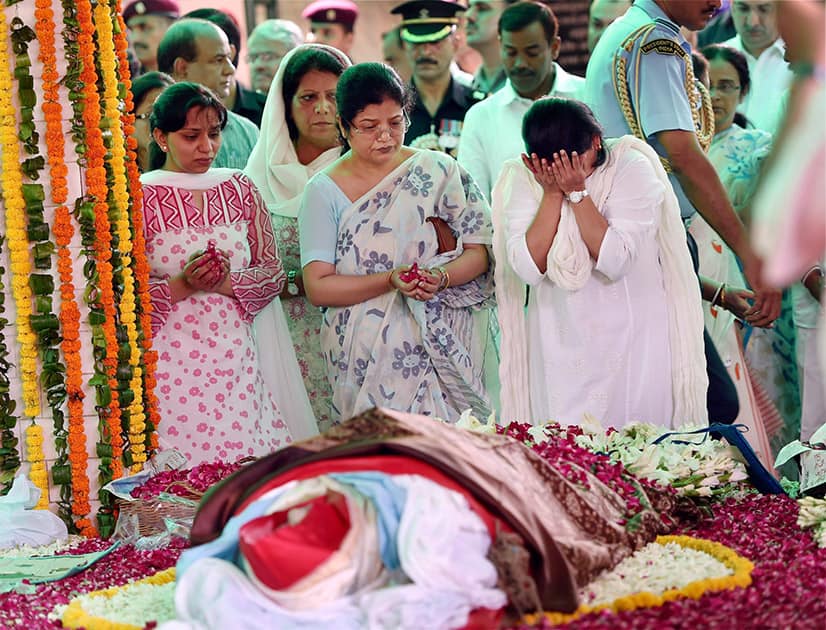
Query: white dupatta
(274, 168)
(570, 265)
(273, 164)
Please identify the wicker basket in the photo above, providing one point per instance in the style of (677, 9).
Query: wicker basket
(150, 513)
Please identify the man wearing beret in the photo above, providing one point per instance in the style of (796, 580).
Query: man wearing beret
(331, 23)
(428, 30)
(147, 21)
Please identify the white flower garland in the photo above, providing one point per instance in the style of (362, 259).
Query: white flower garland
(655, 568)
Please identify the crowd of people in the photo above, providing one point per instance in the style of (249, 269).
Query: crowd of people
(468, 225)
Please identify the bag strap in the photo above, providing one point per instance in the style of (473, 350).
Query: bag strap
(721, 428)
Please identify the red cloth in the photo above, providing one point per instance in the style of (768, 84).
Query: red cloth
(280, 554)
(390, 464)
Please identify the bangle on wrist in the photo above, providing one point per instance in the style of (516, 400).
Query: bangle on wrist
(814, 269)
(445, 282)
(390, 280)
(717, 293)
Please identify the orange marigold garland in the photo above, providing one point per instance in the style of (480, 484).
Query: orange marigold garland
(96, 238)
(129, 375)
(44, 323)
(63, 231)
(141, 264)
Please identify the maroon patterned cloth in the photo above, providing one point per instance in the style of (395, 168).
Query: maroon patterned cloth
(571, 535)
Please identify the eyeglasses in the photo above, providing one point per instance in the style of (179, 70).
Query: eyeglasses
(266, 57)
(724, 87)
(394, 128)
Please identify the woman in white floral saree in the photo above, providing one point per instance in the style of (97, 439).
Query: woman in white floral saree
(394, 334)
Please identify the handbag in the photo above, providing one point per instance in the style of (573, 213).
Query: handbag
(761, 478)
(445, 236)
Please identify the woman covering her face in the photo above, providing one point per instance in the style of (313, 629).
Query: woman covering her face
(299, 137)
(214, 266)
(614, 327)
(398, 329)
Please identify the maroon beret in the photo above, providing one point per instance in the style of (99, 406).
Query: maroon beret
(168, 8)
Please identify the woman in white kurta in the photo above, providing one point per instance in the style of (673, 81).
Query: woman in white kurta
(613, 325)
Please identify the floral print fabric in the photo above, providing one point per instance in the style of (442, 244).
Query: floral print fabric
(396, 352)
(304, 322)
(211, 395)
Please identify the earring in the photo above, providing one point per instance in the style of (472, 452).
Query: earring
(164, 148)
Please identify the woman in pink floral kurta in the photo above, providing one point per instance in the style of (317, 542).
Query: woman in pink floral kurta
(212, 397)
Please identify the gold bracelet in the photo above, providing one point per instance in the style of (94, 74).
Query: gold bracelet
(445, 283)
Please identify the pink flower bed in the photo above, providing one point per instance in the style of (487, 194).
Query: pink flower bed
(186, 483)
(564, 454)
(124, 564)
(789, 578)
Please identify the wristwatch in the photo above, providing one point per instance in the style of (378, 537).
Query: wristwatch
(577, 195)
(292, 287)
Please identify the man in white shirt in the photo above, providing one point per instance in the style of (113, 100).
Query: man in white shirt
(492, 134)
(759, 39)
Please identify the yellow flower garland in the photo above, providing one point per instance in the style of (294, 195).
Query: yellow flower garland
(741, 578)
(74, 616)
(37, 473)
(11, 181)
(120, 194)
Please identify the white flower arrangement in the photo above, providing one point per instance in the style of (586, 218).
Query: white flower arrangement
(698, 467)
(656, 568)
(812, 516)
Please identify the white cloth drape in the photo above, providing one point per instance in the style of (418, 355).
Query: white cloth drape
(570, 266)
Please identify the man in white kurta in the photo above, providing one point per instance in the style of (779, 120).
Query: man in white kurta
(492, 131)
(759, 40)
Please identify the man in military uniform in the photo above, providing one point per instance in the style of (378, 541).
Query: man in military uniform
(640, 81)
(428, 30)
(332, 22)
(147, 21)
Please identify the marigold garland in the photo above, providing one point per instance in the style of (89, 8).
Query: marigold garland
(141, 264)
(741, 578)
(37, 473)
(119, 209)
(98, 192)
(63, 231)
(74, 616)
(11, 182)
(9, 454)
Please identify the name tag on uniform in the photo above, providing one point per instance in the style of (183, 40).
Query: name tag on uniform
(663, 47)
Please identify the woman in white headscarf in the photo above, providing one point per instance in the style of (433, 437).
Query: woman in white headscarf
(299, 137)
